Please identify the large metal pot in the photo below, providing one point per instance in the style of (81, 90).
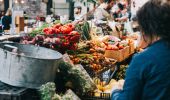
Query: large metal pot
(27, 65)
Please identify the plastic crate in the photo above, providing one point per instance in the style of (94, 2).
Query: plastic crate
(8, 92)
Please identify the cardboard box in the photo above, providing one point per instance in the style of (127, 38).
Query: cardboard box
(118, 55)
(132, 47)
(126, 53)
(115, 54)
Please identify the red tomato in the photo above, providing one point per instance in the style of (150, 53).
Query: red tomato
(48, 31)
(45, 30)
(71, 26)
(65, 29)
(74, 33)
(75, 38)
(65, 44)
(73, 47)
(57, 25)
(120, 46)
(57, 31)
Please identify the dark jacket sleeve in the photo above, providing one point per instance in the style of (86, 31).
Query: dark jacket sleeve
(134, 80)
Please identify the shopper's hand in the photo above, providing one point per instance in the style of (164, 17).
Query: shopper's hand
(118, 85)
(121, 83)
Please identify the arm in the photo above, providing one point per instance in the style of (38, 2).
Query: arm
(2, 20)
(134, 81)
(107, 15)
(123, 18)
(10, 20)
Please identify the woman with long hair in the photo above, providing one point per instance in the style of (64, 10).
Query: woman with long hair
(148, 75)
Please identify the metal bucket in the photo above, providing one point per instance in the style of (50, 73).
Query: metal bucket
(27, 65)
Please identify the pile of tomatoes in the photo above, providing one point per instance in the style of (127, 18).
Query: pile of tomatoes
(59, 37)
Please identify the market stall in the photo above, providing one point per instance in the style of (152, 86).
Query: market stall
(95, 57)
(101, 58)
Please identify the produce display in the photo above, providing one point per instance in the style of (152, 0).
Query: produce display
(70, 95)
(47, 92)
(91, 58)
(73, 76)
(102, 88)
(105, 28)
(87, 59)
(111, 43)
(121, 72)
(58, 37)
(96, 62)
(84, 29)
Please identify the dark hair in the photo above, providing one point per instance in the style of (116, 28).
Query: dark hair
(154, 19)
(108, 1)
(121, 6)
(78, 7)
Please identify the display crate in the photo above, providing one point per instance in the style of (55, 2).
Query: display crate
(8, 92)
(119, 55)
(96, 96)
(132, 48)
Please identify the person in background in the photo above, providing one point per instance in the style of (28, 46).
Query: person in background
(7, 20)
(103, 12)
(115, 6)
(78, 15)
(1, 15)
(102, 4)
(121, 14)
(124, 2)
(147, 77)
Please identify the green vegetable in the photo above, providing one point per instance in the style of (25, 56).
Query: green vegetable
(70, 95)
(86, 31)
(75, 76)
(121, 73)
(47, 91)
(38, 30)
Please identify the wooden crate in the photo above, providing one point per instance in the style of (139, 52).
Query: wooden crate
(118, 55)
(131, 48)
(115, 54)
(126, 53)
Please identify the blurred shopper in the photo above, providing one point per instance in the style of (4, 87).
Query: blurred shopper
(102, 4)
(7, 20)
(147, 77)
(2, 14)
(115, 6)
(103, 12)
(121, 14)
(78, 15)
